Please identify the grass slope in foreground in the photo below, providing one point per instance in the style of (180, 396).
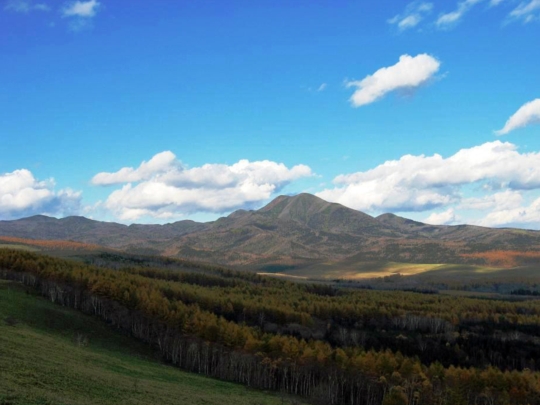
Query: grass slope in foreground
(42, 363)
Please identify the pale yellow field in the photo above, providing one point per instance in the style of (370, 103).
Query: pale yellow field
(282, 275)
(361, 270)
(369, 270)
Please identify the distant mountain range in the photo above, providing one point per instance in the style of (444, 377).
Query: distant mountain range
(297, 231)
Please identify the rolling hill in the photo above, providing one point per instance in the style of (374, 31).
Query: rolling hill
(55, 355)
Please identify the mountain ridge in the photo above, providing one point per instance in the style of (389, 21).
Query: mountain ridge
(289, 231)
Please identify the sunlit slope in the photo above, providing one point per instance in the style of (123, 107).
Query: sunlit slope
(374, 269)
(432, 272)
(52, 355)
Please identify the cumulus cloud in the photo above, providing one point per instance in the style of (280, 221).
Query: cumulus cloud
(527, 11)
(508, 199)
(160, 163)
(164, 188)
(449, 19)
(442, 218)
(509, 208)
(528, 113)
(82, 9)
(25, 6)
(80, 14)
(525, 215)
(408, 73)
(421, 183)
(414, 13)
(21, 194)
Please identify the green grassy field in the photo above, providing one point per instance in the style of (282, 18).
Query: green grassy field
(42, 362)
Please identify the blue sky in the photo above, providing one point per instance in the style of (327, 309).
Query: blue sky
(145, 112)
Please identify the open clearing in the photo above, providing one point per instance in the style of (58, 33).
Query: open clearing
(369, 270)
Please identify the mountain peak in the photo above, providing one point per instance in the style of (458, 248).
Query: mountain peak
(319, 214)
(38, 218)
(77, 219)
(393, 219)
(298, 207)
(283, 205)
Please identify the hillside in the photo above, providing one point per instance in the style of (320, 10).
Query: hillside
(333, 346)
(108, 234)
(53, 355)
(295, 232)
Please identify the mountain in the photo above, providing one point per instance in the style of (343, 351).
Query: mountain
(288, 230)
(317, 214)
(109, 234)
(291, 231)
(465, 233)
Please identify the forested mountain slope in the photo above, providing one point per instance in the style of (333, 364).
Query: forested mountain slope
(295, 231)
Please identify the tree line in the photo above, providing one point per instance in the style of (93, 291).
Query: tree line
(212, 325)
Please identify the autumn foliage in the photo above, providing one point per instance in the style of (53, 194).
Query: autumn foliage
(334, 346)
(51, 244)
(504, 258)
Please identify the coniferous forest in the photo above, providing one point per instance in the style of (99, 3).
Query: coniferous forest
(329, 345)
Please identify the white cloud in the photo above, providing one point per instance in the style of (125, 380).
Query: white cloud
(421, 183)
(443, 218)
(504, 200)
(81, 9)
(510, 208)
(449, 19)
(321, 87)
(160, 163)
(25, 6)
(527, 11)
(409, 72)
(166, 189)
(22, 195)
(517, 216)
(528, 113)
(414, 13)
